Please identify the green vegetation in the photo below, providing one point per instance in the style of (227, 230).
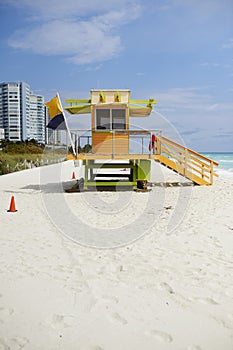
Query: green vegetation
(22, 147)
(85, 149)
(16, 156)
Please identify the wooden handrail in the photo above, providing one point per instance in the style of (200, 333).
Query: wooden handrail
(191, 164)
(189, 150)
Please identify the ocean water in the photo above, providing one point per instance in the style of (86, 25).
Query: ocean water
(225, 161)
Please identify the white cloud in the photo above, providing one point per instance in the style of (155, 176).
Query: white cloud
(228, 44)
(84, 40)
(211, 64)
(60, 9)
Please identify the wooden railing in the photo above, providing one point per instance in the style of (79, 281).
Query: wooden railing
(185, 161)
(179, 158)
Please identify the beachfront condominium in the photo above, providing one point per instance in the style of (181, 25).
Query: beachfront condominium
(22, 113)
(37, 118)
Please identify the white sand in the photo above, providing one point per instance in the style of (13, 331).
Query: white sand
(169, 285)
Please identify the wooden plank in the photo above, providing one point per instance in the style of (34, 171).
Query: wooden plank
(121, 144)
(92, 156)
(102, 143)
(110, 143)
(169, 152)
(195, 178)
(172, 164)
(171, 146)
(196, 159)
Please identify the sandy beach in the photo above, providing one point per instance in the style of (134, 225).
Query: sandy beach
(115, 270)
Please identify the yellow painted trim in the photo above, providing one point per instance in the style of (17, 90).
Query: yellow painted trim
(78, 101)
(117, 97)
(144, 102)
(102, 97)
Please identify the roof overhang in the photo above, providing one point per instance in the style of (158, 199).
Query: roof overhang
(79, 109)
(137, 108)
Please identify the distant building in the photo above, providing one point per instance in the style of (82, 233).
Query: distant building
(22, 113)
(37, 119)
(52, 137)
(2, 134)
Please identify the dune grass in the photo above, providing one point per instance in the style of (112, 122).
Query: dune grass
(24, 155)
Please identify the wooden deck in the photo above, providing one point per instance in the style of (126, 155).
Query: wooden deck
(173, 155)
(92, 156)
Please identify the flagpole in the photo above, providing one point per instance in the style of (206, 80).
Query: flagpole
(68, 130)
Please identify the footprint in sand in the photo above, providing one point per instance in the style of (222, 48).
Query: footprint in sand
(194, 347)
(118, 318)
(61, 321)
(16, 343)
(208, 301)
(159, 335)
(4, 313)
(19, 342)
(167, 287)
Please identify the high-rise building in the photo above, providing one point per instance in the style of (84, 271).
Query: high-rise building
(37, 119)
(22, 114)
(2, 134)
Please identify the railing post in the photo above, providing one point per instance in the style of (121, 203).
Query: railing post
(202, 171)
(113, 135)
(211, 173)
(181, 158)
(150, 143)
(158, 149)
(67, 146)
(76, 143)
(185, 161)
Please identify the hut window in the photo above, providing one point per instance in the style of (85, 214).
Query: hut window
(110, 119)
(103, 119)
(118, 119)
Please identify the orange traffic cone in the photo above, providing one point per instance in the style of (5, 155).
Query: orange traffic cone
(12, 208)
(73, 176)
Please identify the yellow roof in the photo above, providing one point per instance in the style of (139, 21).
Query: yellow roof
(136, 108)
(83, 109)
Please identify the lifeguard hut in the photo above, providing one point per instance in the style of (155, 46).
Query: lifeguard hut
(116, 146)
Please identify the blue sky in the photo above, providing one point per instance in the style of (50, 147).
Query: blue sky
(179, 52)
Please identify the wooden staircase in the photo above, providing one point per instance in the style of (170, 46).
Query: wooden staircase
(186, 162)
